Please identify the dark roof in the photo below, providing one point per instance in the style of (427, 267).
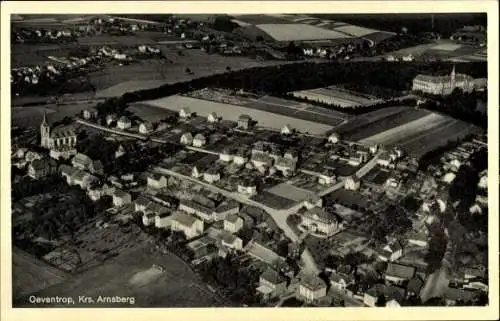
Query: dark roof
(415, 285)
(319, 214)
(186, 220)
(232, 218)
(272, 276)
(60, 132)
(39, 164)
(313, 282)
(228, 238)
(244, 117)
(337, 277)
(120, 193)
(401, 271)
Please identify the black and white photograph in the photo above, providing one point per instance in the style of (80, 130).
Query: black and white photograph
(278, 160)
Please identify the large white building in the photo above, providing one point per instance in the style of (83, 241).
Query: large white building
(317, 220)
(444, 85)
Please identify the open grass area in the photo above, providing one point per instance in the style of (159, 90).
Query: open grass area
(273, 200)
(290, 191)
(128, 275)
(32, 275)
(33, 115)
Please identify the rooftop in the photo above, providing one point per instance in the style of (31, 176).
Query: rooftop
(313, 282)
(183, 219)
(401, 271)
(272, 276)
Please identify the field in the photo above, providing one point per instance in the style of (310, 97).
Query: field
(154, 73)
(33, 115)
(294, 109)
(232, 112)
(335, 96)
(407, 130)
(273, 200)
(291, 192)
(299, 32)
(149, 113)
(29, 274)
(349, 198)
(363, 121)
(130, 275)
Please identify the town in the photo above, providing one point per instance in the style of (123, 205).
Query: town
(322, 196)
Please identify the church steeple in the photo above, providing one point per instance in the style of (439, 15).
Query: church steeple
(44, 131)
(452, 75)
(44, 121)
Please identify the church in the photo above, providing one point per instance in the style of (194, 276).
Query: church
(57, 139)
(444, 85)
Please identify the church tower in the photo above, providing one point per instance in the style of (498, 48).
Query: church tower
(45, 131)
(452, 76)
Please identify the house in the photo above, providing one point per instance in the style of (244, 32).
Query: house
(90, 113)
(212, 118)
(261, 161)
(352, 183)
(111, 119)
(210, 212)
(163, 220)
(398, 273)
(291, 154)
(340, 281)
(414, 287)
(326, 178)
(186, 139)
(240, 158)
(141, 204)
(311, 288)
(199, 140)
(286, 130)
(473, 273)
(385, 160)
(189, 225)
(185, 113)
(285, 165)
(244, 121)
(260, 148)
(146, 128)
(247, 187)
(81, 161)
(390, 252)
(316, 220)
(156, 181)
(96, 167)
(333, 138)
(262, 253)
(271, 284)
(124, 123)
(313, 201)
(148, 219)
(195, 172)
(40, 168)
(121, 198)
(212, 175)
(231, 241)
(226, 155)
(393, 295)
(452, 296)
(82, 179)
(448, 178)
(233, 223)
(418, 239)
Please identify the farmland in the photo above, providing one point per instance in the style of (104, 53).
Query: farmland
(32, 116)
(128, 275)
(299, 32)
(31, 275)
(336, 96)
(232, 112)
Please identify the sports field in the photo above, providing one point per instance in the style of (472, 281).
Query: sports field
(130, 275)
(291, 192)
(232, 112)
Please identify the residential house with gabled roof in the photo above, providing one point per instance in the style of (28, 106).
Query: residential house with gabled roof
(233, 223)
(390, 252)
(271, 284)
(226, 155)
(394, 296)
(352, 183)
(398, 273)
(121, 198)
(311, 288)
(189, 225)
(212, 175)
(81, 161)
(262, 253)
(124, 123)
(247, 186)
(240, 157)
(212, 118)
(327, 177)
(261, 161)
(186, 139)
(286, 130)
(199, 140)
(40, 168)
(341, 281)
(196, 173)
(146, 128)
(185, 113)
(285, 165)
(110, 119)
(244, 121)
(231, 241)
(90, 113)
(414, 287)
(156, 181)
